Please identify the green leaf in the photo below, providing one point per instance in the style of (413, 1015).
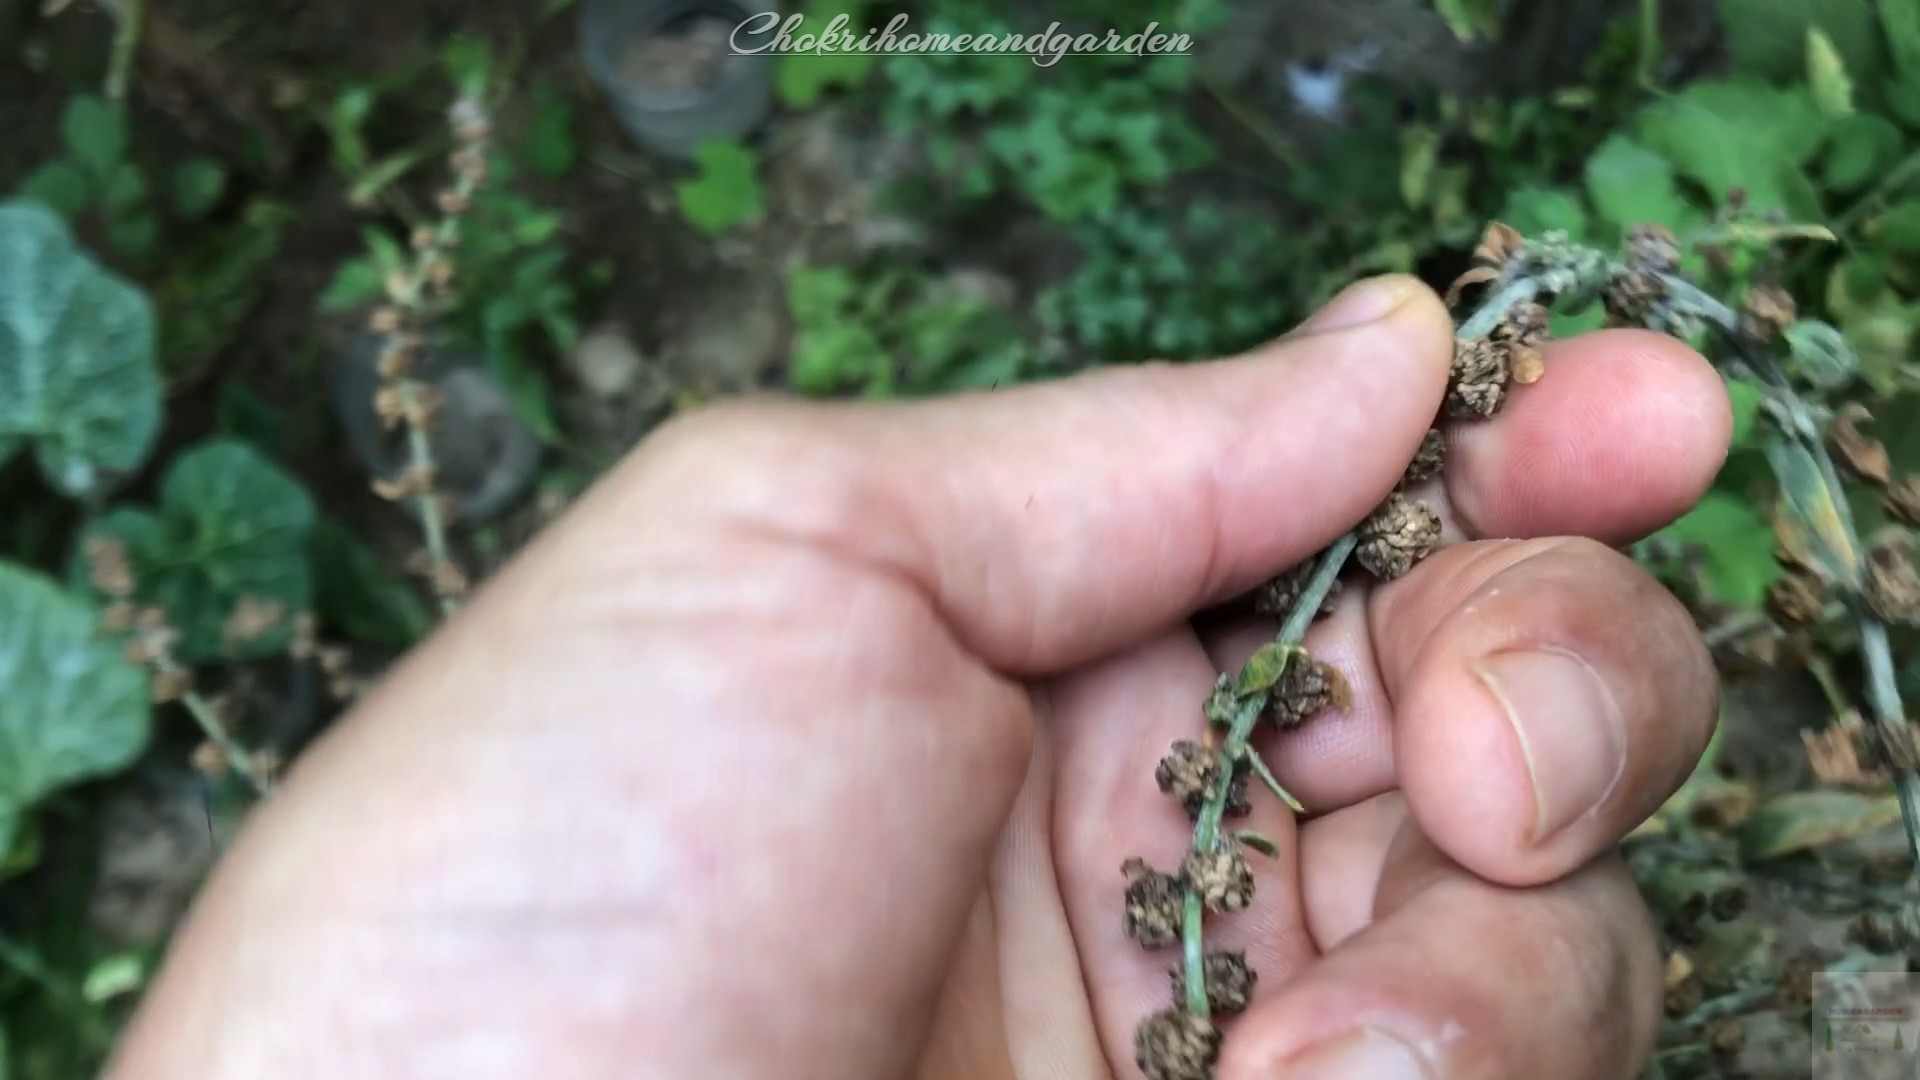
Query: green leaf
(1899, 230)
(1863, 146)
(1816, 521)
(136, 237)
(358, 281)
(1746, 399)
(1768, 38)
(74, 708)
(727, 190)
(550, 148)
(1535, 210)
(1736, 547)
(1265, 668)
(1730, 136)
(802, 78)
(1821, 354)
(1827, 76)
(197, 186)
(1803, 820)
(77, 375)
(1631, 185)
(114, 976)
(1900, 23)
(231, 527)
(95, 134)
(1469, 19)
(60, 185)
(1419, 152)
(356, 593)
(1903, 99)
(469, 62)
(126, 189)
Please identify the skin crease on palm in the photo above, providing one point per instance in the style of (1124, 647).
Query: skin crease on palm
(811, 743)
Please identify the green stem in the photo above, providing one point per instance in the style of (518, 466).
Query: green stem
(1509, 296)
(1275, 143)
(130, 15)
(1649, 64)
(238, 759)
(1206, 834)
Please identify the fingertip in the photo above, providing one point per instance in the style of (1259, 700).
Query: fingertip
(1623, 435)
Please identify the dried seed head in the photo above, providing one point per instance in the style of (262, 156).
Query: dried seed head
(1277, 597)
(117, 617)
(440, 274)
(170, 685)
(252, 618)
(1176, 1045)
(1189, 774)
(1528, 365)
(209, 761)
(1767, 313)
(1726, 1036)
(108, 566)
(1498, 245)
(1222, 703)
(386, 319)
(1479, 275)
(1229, 981)
(390, 405)
(1903, 499)
(1893, 584)
(1728, 904)
(1153, 905)
(1221, 877)
(1398, 535)
(1861, 452)
(1634, 298)
(453, 202)
(306, 637)
(1798, 598)
(1528, 324)
(1888, 931)
(1477, 379)
(1428, 462)
(1307, 687)
(398, 356)
(1653, 248)
(468, 118)
(411, 482)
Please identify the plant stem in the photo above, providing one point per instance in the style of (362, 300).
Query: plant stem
(1206, 834)
(1275, 143)
(129, 16)
(1504, 299)
(208, 718)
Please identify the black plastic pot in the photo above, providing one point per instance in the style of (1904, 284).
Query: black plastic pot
(669, 70)
(485, 457)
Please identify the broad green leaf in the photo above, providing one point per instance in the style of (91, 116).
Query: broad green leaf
(356, 593)
(74, 708)
(78, 381)
(1900, 21)
(1736, 547)
(469, 61)
(1803, 820)
(1631, 185)
(1827, 76)
(60, 185)
(1899, 230)
(1419, 151)
(126, 189)
(135, 237)
(802, 78)
(1903, 99)
(197, 186)
(1863, 146)
(114, 976)
(231, 527)
(1534, 210)
(95, 134)
(727, 191)
(1730, 136)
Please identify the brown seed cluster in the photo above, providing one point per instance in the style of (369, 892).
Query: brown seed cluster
(1307, 687)
(1176, 1045)
(1903, 500)
(1221, 877)
(1477, 380)
(1428, 462)
(1189, 774)
(1893, 583)
(1797, 598)
(1860, 452)
(1634, 296)
(1229, 980)
(1277, 597)
(1397, 537)
(1768, 311)
(1153, 909)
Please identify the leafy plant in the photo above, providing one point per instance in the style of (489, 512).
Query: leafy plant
(97, 176)
(803, 78)
(74, 708)
(77, 376)
(231, 529)
(726, 191)
(887, 332)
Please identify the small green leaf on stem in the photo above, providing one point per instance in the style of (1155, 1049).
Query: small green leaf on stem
(1259, 842)
(1272, 782)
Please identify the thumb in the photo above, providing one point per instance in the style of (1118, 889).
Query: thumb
(1054, 524)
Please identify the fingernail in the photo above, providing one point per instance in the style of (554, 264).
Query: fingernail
(1570, 730)
(1363, 1055)
(1361, 303)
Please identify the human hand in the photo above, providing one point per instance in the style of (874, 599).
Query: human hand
(811, 743)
